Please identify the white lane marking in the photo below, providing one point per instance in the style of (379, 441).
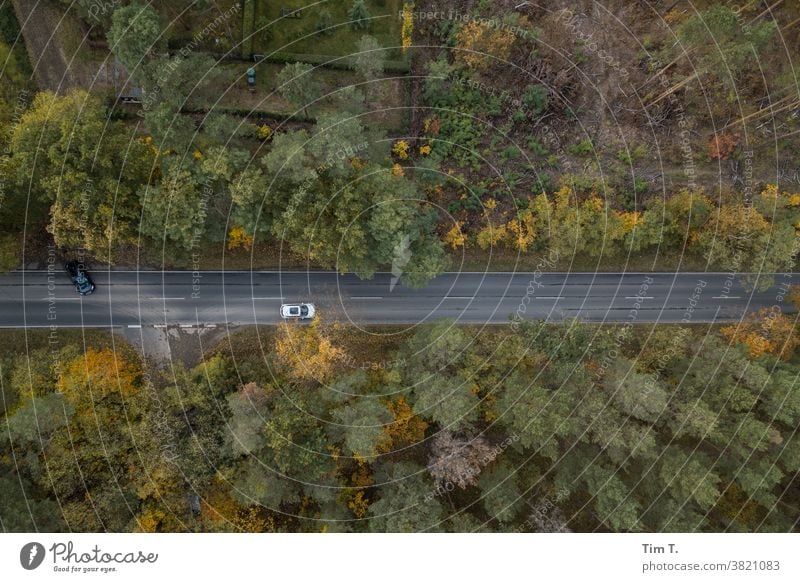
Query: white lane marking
(268, 298)
(355, 297)
(135, 326)
(56, 298)
(458, 297)
(186, 325)
(556, 297)
(637, 297)
(159, 325)
(725, 297)
(167, 298)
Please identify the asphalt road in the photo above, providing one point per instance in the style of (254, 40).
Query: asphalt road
(183, 298)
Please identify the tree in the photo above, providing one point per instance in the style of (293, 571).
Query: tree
(174, 212)
(742, 240)
(457, 459)
(359, 15)
(169, 128)
(97, 374)
(325, 24)
(306, 352)
(69, 154)
(613, 502)
(297, 85)
(406, 502)
(766, 332)
(405, 430)
(687, 477)
(480, 45)
(249, 408)
(135, 34)
(721, 45)
(500, 494)
(449, 401)
(370, 60)
(362, 422)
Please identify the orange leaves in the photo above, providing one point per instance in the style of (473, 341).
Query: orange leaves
(97, 374)
(723, 145)
(767, 332)
(406, 429)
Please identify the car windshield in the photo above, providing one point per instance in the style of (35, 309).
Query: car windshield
(304, 310)
(294, 311)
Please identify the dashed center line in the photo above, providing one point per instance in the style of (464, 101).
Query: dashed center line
(167, 298)
(725, 297)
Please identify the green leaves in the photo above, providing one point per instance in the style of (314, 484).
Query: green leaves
(135, 33)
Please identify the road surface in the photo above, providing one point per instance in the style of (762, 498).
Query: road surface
(38, 299)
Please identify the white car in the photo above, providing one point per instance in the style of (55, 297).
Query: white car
(298, 311)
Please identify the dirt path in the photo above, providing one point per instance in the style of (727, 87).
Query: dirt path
(46, 29)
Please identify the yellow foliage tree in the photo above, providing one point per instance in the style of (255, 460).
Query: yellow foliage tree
(408, 24)
(96, 374)
(238, 238)
(455, 237)
(406, 429)
(629, 220)
(481, 45)
(523, 230)
(492, 236)
(401, 149)
(306, 353)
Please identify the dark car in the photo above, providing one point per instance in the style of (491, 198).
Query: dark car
(80, 278)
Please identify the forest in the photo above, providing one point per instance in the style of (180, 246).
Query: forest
(666, 141)
(567, 427)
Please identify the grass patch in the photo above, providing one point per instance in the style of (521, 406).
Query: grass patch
(302, 35)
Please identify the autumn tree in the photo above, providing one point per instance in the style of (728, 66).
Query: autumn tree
(480, 45)
(766, 332)
(306, 352)
(68, 153)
